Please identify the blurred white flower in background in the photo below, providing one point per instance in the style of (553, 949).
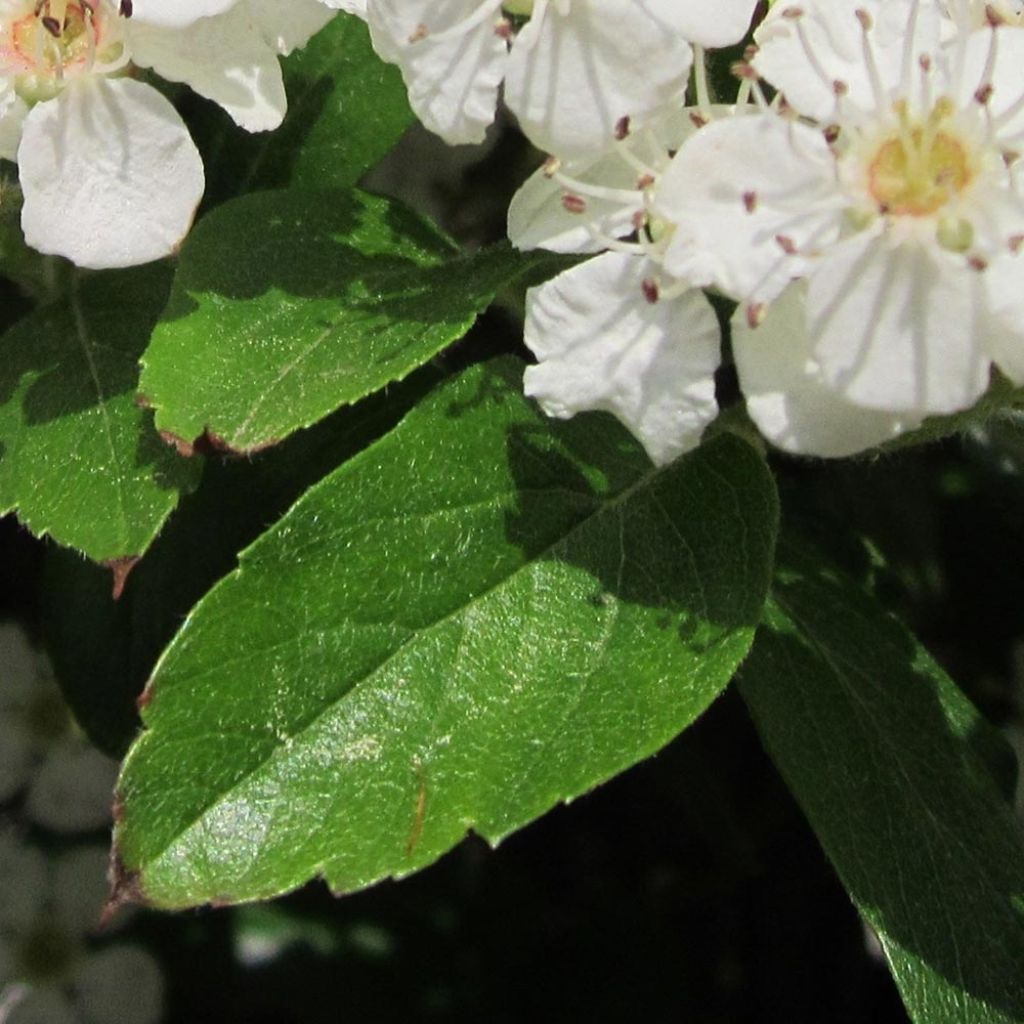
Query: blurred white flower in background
(67, 783)
(52, 970)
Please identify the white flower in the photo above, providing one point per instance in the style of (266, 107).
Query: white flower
(602, 343)
(897, 194)
(68, 784)
(571, 72)
(109, 173)
(786, 395)
(628, 332)
(49, 970)
(617, 333)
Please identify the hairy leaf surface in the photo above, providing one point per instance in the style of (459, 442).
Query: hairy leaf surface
(79, 460)
(479, 616)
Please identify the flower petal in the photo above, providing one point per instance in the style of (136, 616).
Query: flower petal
(719, 24)
(747, 194)
(120, 985)
(601, 345)
(539, 219)
(805, 55)
(452, 61)
(572, 77)
(287, 27)
(110, 174)
(226, 59)
(356, 7)
(786, 396)
(899, 326)
(1004, 286)
(177, 13)
(13, 110)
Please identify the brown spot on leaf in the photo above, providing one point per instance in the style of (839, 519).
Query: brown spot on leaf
(183, 447)
(416, 832)
(143, 700)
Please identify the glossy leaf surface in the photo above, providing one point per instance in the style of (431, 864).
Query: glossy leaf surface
(479, 616)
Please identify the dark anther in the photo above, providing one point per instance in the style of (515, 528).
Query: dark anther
(52, 25)
(125, 9)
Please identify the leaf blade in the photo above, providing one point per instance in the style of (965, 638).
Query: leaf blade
(879, 747)
(79, 460)
(297, 303)
(467, 671)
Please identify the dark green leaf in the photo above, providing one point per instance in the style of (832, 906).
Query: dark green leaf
(288, 305)
(479, 616)
(887, 758)
(79, 460)
(346, 109)
(104, 650)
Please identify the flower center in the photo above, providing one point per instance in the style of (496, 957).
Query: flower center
(53, 42)
(921, 168)
(518, 8)
(45, 42)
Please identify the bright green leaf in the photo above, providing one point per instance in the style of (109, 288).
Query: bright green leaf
(882, 751)
(103, 651)
(287, 305)
(479, 616)
(79, 460)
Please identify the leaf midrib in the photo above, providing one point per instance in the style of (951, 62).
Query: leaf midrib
(600, 509)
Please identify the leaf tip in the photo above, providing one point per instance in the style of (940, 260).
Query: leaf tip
(184, 448)
(121, 567)
(125, 885)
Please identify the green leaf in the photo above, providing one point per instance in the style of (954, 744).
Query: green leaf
(287, 305)
(886, 757)
(346, 110)
(79, 460)
(479, 616)
(36, 276)
(103, 651)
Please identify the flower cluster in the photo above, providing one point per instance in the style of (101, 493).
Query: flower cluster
(866, 218)
(859, 199)
(109, 173)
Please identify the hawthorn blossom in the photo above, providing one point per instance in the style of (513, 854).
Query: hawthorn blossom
(896, 194)
(572, 69)
(109, 173)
